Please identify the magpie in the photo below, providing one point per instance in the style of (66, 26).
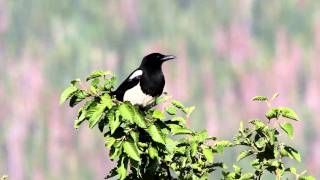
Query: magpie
(145, 83)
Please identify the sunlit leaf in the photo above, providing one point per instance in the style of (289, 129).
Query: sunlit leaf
(289, 113)
(287, 128)
(155, 134)
(131, 149)
(259, 98)
(67, 93)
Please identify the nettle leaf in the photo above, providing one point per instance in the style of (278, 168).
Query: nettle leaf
(247, 176)
(177, 104)
(171, 110)
(170, 144)
(68, 92)
(259, 98)
(105, 101)
(201, 136)
(155, 134)
(287, 128)
(244, 154)
(289, 113)
(158, 114)
(96, 74)
(138, 118)
(207, 152)
(273, 113)
(131, 149)
(126, 111)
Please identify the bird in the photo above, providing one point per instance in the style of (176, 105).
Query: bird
(145, 83)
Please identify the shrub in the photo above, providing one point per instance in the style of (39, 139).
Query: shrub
(149, 143)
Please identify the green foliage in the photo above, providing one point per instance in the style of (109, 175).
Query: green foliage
(149, 143)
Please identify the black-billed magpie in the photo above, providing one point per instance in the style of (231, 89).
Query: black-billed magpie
(145, 83)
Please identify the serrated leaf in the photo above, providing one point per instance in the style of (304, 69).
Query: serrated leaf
(155, 134)
(131, 149)
(67, 93)
(289, 113)
(105, 101)
(171, 110)
(126, 111)
(109, 141)
(170, 145)
(138, 119)
(287, 128)
(96, 74)
(201, 136)
(244, 154)
(220, 145)
(207, 152)
(259, 98)
(158, 114)
(258, 123)
(114, 121)
(153, 152)
(177, 104)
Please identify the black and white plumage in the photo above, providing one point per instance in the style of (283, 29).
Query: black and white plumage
(145, 83)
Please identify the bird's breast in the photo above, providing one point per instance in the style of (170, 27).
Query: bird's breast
(136, 96)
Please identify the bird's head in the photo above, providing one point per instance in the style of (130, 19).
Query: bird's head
(155, 60)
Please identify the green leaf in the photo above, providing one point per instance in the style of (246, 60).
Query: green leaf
(258, 123)
(194, 146)
(105, 101)
(201, 136)
(171, 110)
(67, 93)
(289, 113)
(220, 145)
(170, 145)
(131, 149)
(287, 128)
(244, 154)
(292, 153)
(96, 74)
(177, 129)
(158, 114)
(155, 134)
(273, 113)
(114, 121)
(207, 152)
(259, 98)
(109, 141)
(122, 170)
(126, 112)
(179, 119)
(139, 119)
(177, 104)
(307, 178)
(153, 152)
(247, 176)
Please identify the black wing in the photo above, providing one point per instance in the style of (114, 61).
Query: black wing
(132, 80)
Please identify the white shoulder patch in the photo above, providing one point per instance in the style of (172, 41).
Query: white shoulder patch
(136, 74)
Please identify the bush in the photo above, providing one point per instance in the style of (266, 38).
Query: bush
(149, 143)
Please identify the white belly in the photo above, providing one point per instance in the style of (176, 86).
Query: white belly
(137, 97)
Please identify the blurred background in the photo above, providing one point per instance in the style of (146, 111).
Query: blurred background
(228, 51)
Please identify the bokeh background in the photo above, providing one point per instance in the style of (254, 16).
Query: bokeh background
(228, 51)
